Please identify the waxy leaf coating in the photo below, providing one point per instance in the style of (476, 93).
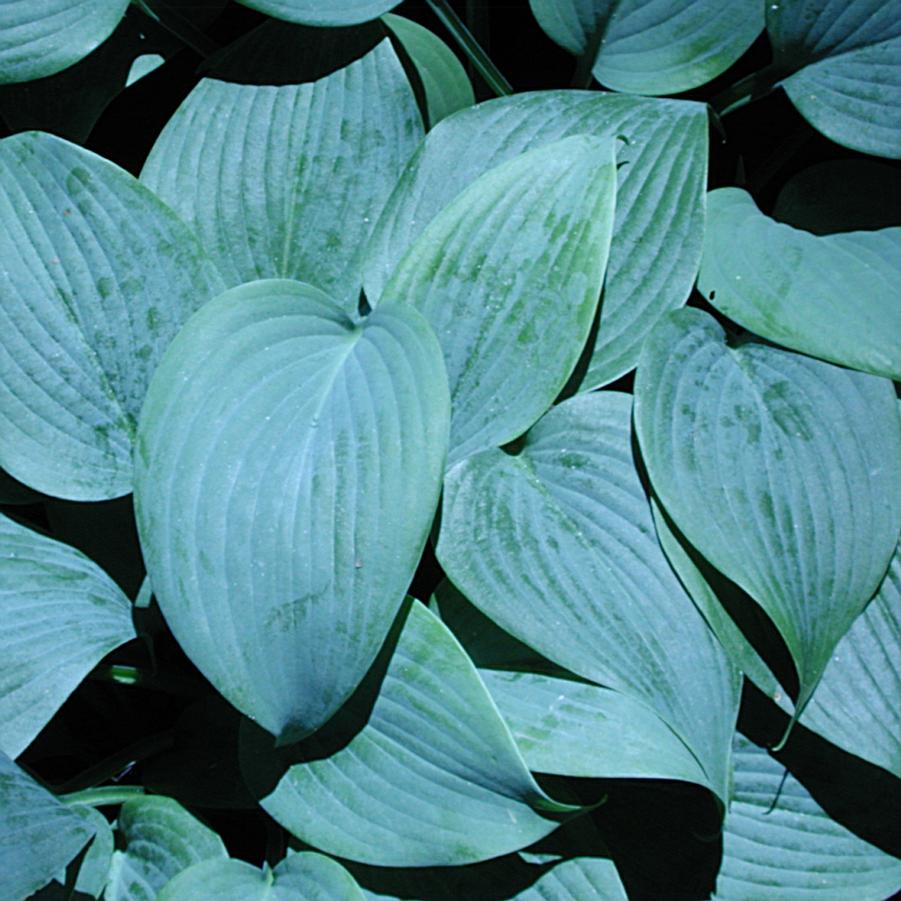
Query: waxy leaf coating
(783, 471)
(315, 12)
(288, 470)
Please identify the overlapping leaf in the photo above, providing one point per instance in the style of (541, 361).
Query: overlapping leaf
(97, 275)
(509, 275)
(301, 876)
(557, 546)
(779, 843)
(433, 778)
(39, 835)
(842, 65)
(659, 216)
(59, 615)
(158, 840)
(94, 869)
(315, 12)
(41, 37)
(288, 469)
(652, 46)
(444, 80)
(781, 470)
(288, 181)
(833, 297)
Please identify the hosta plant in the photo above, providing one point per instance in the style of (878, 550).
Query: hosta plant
(407, 497)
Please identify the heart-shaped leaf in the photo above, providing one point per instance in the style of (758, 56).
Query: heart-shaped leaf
(315, 12)
(557, 545)
(779, 843)
(434, 777)
(288, 181)
(41, 37)
(158, 839)
(652, 46)
(60, 614)
(39, 835)
(444, 80)
(659, 216)
(783, 471)
(509, 275)
(288, 469)
(301, 876)
(842, 65)
(833, 297)
(97, 275)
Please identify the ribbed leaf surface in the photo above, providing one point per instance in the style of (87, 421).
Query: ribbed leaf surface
(659, 216)
(833, 297)
(557, 546)
(783, 471)
(652, 46)
(315, 12)
(288, 181)
(288, 471)
(434, 777)
(60, 614)
(96, 275)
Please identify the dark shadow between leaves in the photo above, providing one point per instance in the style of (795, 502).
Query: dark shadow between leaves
(574, 382)
(279, 53)
(859, 795)
(264, 762)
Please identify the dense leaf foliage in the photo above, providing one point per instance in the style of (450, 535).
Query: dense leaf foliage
(415, 485)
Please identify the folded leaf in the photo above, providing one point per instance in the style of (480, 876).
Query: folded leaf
(557, 546)
(434, 777)
(833, 297)
(39, 835)
(508, 274)
(60, 614)
(97, 275)
(288, 470)
(784, 472)
(842, 60)
(288, 181)
(652, 46)
(779, 843)
(659, 215)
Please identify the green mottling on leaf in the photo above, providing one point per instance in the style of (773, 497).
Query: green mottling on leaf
(77, 180)
(106, 286)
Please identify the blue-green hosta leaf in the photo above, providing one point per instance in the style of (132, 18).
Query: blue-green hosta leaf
(509, 275)
(659, 216)
(96, 275)
(288, 181)
(434, 777)
(444, 80)
(783, 471)
(94, 869)
(652, 46)
(315, 12)
(41, 37)
(60, 614)
(557, 546)
(833, 297)
(779, 843)
(842, 60)
(288, 468)
(573, 729)
(158, 839)
(39, 835)
(301, 876)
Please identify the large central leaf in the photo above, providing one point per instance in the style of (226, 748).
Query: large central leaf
(288, 468)
(783, 471)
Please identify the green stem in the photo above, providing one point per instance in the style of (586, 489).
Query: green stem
(134, 675)
(111, 766)
(584, 76)
(173, 21)
(753, 87)
(103, 796)
(471, 47)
